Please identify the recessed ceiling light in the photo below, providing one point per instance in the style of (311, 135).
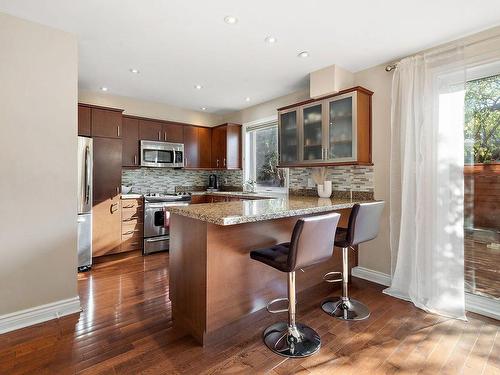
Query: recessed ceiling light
(247, 99)
(198, 87)
(103, 88)
(133, 70)
(230, 20)
(303, 54)
(203, 108)
(270, 39)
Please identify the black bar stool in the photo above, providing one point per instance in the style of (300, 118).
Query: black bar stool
(312, 242)
(364, 223)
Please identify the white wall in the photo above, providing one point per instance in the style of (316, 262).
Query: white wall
(376, 254)
(38, 180)
(142, 108)
(266, 109)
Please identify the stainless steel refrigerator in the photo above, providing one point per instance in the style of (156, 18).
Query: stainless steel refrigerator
(84, 203)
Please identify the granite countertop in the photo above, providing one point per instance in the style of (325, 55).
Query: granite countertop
(241, 194)
(131, 196)
(231, 213)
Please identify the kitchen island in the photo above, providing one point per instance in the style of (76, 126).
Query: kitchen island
(214, 285)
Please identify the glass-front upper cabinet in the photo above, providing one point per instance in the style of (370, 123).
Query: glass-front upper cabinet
(313, 133)
(335, 129)
(288, 137)
(342, 130)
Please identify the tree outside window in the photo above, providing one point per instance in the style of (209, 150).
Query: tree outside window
(482, 120)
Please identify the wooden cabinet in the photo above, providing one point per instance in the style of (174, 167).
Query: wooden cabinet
(106, 123)
(132, 224)
(197, 147)
(151, 130)
(107, 168)
(130, 139)
(106, 214)
(84, 121)
(226, 146)
(197, 199)
(106, 226)
(173, 133)
(204, 147)
(191, 147)
(333, 130)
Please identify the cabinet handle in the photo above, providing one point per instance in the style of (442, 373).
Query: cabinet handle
(118, 130)
(128, 232)
(217, 163)
(165, 135)
(117, 190)
(114, 208)
(129, 206)
(224, 162)
(159, 136)
(185, 162)
(135, 159)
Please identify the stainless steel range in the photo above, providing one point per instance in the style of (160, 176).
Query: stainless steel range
(156, 233)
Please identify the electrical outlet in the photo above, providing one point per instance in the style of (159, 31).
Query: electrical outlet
(310, 183)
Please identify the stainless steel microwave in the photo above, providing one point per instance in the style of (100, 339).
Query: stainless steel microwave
(162, 154)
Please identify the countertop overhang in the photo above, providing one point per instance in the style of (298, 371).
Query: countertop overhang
(247, 211)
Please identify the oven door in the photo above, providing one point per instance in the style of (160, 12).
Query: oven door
(154, 218)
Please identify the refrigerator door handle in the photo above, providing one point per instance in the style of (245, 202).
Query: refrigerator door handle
(87, 175)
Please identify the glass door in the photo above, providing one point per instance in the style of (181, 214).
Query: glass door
(312, 147)
(482, 186)
(289, 137)
(342, 128)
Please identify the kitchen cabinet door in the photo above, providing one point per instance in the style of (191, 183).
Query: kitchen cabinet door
(191, 147)
(218, 147)
(204, 147)
(173, 133)
(107, 169)
(313, 145)
(84, 121)
(130, 139)
(150, 130)
(342, 130)
(288, 137)
(232, 159)
(106, 227)
(106, 123)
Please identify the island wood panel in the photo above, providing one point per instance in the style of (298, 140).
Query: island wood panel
(214, 283)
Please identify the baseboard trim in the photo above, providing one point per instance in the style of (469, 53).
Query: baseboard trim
(482, 305)
(371, 275)
(39, 314)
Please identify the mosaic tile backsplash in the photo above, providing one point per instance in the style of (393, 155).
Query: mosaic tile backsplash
(344, 178)
(165, 180)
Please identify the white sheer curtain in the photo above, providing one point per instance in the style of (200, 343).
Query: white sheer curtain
(427, 156)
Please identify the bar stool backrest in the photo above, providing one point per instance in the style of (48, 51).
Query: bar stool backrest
(312, 240)
(364, 222)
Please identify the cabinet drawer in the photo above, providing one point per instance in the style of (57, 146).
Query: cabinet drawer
(133, 243)
(131, 203)
(132, 215)
(132, 229)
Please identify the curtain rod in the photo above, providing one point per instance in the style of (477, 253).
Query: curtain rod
(391, 67)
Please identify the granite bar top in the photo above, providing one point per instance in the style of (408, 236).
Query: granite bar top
(240, 194)
(239, 212)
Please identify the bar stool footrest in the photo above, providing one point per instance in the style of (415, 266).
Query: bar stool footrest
(328, 274)
(268, 307)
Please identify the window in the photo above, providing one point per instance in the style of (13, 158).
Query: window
(261, 157)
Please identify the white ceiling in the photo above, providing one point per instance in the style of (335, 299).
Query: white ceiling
(177, 44)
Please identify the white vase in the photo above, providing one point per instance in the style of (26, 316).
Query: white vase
(325, 190)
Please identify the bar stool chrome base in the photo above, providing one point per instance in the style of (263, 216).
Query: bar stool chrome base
(349, 309)
(295, 342)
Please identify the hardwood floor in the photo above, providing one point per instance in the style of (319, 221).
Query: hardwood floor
(126, 328)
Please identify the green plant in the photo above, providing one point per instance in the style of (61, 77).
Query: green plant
(482, 119)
